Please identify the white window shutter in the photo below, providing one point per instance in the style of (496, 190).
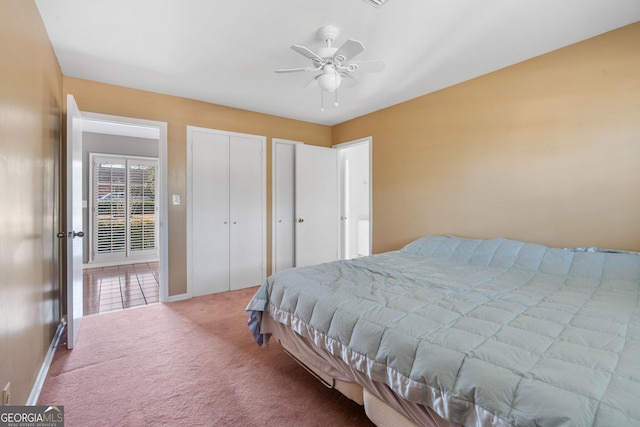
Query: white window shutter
(125, 214)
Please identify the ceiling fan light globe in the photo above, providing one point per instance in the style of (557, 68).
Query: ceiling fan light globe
(329, 82)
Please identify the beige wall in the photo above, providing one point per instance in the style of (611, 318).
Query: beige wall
(546, 151)
(30, 117)
(180, 113)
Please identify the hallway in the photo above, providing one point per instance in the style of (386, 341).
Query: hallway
(119, 287)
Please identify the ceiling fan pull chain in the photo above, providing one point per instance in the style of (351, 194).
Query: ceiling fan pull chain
(336, 96)
(321, 100)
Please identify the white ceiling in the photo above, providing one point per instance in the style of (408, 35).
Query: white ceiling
(225, 51)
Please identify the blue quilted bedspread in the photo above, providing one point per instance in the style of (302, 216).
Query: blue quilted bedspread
(485, 332)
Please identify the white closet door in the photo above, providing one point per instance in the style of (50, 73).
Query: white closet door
(245, 212)
(284, 160)
(317, 207)
(210, 213)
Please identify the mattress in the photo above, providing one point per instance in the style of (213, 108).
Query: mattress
(482, 332)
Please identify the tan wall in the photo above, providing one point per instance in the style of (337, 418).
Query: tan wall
(546, 151)
(180, 113)
(30, 117)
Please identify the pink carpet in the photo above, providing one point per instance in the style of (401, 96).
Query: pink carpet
(187, 363)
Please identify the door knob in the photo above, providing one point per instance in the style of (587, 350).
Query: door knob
(300, 220)
(61, 235)
(78, 234)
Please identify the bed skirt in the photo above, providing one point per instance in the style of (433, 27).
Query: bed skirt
(384, 407)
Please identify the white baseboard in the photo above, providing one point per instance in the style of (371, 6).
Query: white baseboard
(178, 297)
(44, 369)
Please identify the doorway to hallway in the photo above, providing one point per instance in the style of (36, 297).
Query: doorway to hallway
(135, 282)
(145, 142)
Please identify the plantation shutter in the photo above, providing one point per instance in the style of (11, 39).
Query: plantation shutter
(125, 220)
(142, 203)
(110, 186)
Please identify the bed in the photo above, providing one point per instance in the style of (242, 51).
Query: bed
(452, 331)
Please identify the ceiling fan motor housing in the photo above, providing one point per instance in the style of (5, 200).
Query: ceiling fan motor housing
(328, 33)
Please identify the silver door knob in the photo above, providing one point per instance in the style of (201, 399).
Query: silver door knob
(300, 220)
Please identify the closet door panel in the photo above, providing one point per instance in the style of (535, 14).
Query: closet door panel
(245, 211)
(284, 206)
(210, 213)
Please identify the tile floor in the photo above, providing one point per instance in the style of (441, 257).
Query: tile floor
(120, 287)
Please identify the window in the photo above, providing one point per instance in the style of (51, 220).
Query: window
(124, 205)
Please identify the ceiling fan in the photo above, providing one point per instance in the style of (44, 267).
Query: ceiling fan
(333, 64)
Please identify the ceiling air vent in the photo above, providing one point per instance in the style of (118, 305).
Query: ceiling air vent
(375, 3)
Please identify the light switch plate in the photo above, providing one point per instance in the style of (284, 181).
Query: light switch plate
(175, 199)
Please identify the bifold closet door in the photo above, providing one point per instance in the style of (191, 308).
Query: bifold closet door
(245, 212)
(210, 213)
(226, 211)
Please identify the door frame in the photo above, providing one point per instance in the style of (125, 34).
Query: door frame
(369, 141)
(142, 128)
(274, 194)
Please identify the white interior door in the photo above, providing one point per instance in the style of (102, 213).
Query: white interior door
(246, 207)
(74, 234)
(209, 200)
(317, 206)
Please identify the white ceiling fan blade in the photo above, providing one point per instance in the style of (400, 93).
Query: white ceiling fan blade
(311, 83)
(348, 80)
(306, 52)
(295, 70)
(366, 66)
(348, 50)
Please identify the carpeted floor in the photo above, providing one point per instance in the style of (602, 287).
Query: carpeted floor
(187, 363)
